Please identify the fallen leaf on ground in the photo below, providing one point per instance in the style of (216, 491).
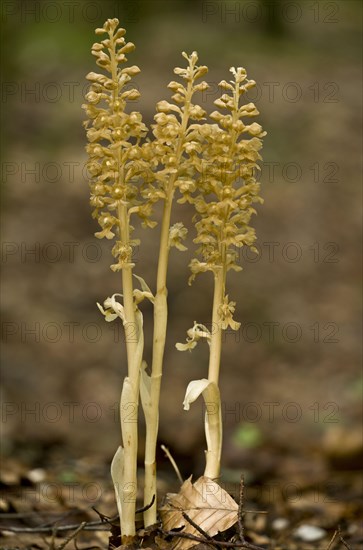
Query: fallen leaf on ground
(206, 504)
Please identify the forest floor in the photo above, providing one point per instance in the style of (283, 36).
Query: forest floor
(320, 509)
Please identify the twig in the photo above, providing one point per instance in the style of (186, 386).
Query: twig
(52, 540)
(173, 463)
(89, 525)
(240, 510)
(71, 536)
(332, 540)
(209, 539)
(61, 518)
(100, 526)
(215, 508)
(22, 515)
(212, 540)
(196, 526)
(146, 507)
(240, 514)
(344, 543)
(103, 518)
(110, 520)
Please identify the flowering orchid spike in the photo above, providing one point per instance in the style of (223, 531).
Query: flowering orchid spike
(117, 169)
(224, 195)
(173, 154)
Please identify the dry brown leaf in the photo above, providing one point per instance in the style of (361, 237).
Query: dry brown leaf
(206, 503)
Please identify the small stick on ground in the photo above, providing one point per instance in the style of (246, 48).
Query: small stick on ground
(344, 543)
(173, 463)
(240, 514)
(245, 544)
(111, 520)
(240, 510)
(146, 507)
(103, 518)
(99, 525)
(71, 536)
(330, 545)
(199, 529)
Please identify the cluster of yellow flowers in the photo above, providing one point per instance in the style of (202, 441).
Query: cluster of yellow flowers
(226, 182)
(115, 155)
(174, 150)
(210, 164)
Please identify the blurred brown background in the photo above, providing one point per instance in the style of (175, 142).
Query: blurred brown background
(290, 377)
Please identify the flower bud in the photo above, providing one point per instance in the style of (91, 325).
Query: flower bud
(97, 47)
(201, 71)
(131, 71)
(93, 98)
(131, 95)
(127, 48)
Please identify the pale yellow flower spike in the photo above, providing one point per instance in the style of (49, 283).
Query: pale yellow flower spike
(173, 154)
(226, 188)
(115, 165)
